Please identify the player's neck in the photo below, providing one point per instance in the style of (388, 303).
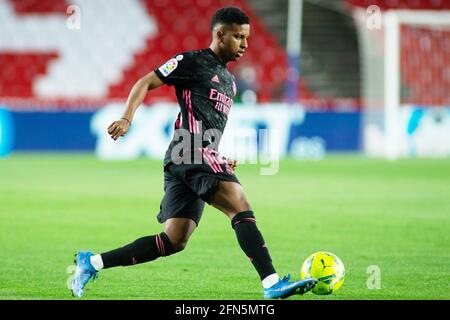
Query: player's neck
(216, 51)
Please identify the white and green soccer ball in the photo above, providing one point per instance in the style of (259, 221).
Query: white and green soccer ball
(327, 268)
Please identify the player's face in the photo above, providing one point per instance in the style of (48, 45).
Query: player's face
(235, 41)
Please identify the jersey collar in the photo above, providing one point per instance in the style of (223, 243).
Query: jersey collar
(215, 56)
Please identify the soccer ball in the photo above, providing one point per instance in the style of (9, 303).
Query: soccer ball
(327, 268)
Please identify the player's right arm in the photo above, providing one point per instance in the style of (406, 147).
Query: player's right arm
(137, 95)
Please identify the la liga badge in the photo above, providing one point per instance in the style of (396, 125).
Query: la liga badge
(168, 67)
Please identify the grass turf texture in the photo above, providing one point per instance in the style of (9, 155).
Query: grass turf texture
(368, 212)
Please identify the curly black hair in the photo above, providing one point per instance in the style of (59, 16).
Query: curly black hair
(228, 16)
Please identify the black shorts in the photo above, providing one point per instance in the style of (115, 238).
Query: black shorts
(188, 186)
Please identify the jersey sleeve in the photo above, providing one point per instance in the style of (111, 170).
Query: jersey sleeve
(177, 70)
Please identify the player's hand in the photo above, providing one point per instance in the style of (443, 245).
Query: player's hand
(232, 163)
(118, 128)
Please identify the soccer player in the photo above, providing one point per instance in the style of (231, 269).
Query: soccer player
(196, 173)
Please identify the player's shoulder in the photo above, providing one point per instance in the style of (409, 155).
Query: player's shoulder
(191, 54)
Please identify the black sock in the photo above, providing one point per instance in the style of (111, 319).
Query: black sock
(252, 243)
(142, 250)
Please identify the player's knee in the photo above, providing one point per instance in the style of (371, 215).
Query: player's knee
(241, 198)
(238, 200)
(179, 244)
(178, 232)
(243, 204)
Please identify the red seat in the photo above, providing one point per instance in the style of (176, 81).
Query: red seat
(424, 54)
(191, 30)
(182, 25)
(20, 70)
(39, 6)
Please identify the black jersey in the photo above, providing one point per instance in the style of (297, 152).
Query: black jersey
(205, 90)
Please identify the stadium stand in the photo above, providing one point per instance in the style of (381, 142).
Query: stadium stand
(403, 4)
(120, 41)
(419, 47)
(44, 59)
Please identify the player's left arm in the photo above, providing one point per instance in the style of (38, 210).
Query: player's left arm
(137, 95)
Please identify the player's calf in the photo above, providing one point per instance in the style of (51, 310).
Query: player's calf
(140, 251)
(252, 243)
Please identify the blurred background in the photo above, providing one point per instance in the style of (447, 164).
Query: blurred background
(364, 76)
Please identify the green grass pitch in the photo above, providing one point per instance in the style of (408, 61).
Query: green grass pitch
(393, 215)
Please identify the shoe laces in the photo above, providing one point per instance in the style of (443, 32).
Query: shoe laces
(94, 274)
(286, 278)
